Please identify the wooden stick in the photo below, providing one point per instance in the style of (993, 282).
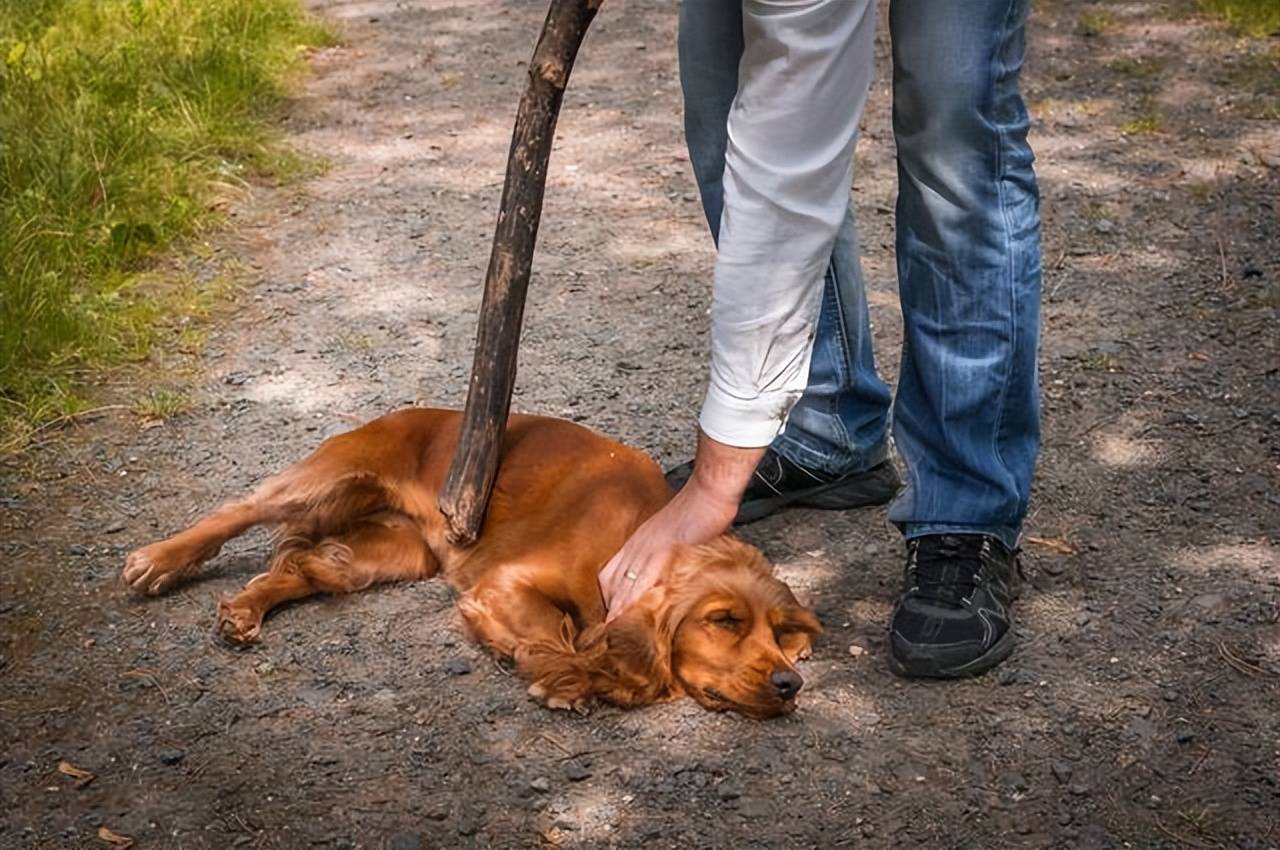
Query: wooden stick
(465, 495)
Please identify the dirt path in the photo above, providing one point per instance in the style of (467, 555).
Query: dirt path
(1140, 710)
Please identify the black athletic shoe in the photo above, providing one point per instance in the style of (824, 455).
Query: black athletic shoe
(778, 483)
(952, 619)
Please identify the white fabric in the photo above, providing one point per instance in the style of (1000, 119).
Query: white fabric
(802, 85)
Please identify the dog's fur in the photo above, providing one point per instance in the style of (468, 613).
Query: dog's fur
(362, 510)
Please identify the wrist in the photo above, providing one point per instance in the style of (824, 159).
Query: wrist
(722, 472)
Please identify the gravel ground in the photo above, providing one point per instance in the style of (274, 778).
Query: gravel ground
(1139, 710)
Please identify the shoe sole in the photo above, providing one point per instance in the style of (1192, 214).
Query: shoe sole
(825, 497)
(922, 668)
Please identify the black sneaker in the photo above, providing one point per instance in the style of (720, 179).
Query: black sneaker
(778, 483)
(952, 619)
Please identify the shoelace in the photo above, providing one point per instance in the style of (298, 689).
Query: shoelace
(944, 569)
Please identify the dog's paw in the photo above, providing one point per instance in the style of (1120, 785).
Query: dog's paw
(561, 696)
(237, 626)
(156, 568)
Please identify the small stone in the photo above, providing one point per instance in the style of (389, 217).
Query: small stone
(541, 784)
(406, 841)
(576, 772)
(856, 651)
(728, 791)
(1078, 789)
(172, 757)
(1186, 736)
(457, 666)
(1061, 771)
(754, 809)
(1104, 225)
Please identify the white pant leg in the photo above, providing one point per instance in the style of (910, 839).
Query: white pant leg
(802, 85)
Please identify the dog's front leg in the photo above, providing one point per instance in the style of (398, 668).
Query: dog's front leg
(522, 623)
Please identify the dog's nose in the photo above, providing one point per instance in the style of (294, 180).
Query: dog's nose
(788, 683)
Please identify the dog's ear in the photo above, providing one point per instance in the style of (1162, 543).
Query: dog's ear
(633, 664)
(725, 551)
(795, 618)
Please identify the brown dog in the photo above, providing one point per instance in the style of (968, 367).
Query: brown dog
(362, 510)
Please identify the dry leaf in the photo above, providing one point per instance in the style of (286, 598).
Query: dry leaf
(115, 839)
(1057, 544)
(1268, 155)
(79, 774)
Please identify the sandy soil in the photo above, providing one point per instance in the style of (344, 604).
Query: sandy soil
(1140, 710)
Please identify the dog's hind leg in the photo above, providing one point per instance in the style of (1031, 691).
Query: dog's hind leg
(319, 496)
(381, 548)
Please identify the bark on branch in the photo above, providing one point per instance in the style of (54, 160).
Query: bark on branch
(465, 495)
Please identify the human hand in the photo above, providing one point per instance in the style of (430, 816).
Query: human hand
(702, 510)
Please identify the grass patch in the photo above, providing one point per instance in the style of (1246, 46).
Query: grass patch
(124, 125)
(159, 404)
(1093, 24)
(1144, 125)
(1141, 66)
(1252, 17)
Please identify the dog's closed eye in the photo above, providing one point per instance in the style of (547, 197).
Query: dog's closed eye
(725, 619)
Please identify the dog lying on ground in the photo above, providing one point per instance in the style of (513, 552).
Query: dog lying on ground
(362, 510)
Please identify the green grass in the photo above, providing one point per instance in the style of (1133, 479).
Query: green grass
(123, 123)
(1147, 124)
(1251, 17)
(161, 403)
(1141, 66)
(1093, 23)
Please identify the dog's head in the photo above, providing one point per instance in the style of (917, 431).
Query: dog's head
(719, 628)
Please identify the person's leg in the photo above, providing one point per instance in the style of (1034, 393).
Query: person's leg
(966, 417)
(840, 424)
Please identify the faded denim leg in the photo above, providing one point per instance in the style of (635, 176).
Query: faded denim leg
(966, 416)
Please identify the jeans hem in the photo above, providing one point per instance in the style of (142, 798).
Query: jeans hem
(1008, 535)
(849, 462)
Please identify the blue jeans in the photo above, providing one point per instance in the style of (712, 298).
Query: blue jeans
(966, 418)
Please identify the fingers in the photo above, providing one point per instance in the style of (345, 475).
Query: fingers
(627, 594)
(609, 584)
(620, 590)
(635, 573)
